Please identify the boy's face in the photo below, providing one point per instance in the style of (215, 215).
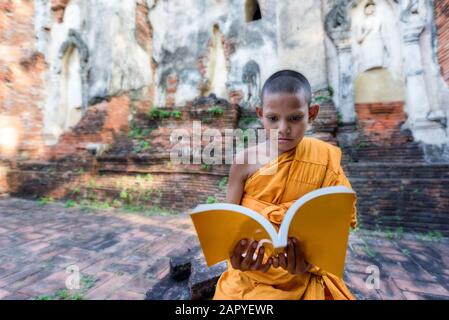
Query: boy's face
(289, 115)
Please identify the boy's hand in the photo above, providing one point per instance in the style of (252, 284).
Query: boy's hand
(292, 259)
(247, 262)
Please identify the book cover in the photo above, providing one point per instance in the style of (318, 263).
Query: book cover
(320, 220)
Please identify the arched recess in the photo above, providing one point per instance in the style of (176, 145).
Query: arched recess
(73, 100)
(217, 71)
(252, 10)
(70, 88)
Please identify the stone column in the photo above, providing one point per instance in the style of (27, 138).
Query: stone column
(417, 101)
(338, 27)
(345, 80)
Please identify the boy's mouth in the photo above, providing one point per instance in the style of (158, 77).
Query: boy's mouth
(284, 140)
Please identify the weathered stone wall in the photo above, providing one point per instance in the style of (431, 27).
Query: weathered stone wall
(79, 80)
(397, 36)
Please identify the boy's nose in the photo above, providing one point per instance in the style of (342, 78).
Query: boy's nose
(284, 129)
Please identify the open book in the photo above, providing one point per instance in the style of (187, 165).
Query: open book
(320, 220)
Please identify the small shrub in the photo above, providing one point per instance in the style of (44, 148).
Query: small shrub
(70, 203)
(176, 114)
(42, 201)
(211, 199)
(216, 111)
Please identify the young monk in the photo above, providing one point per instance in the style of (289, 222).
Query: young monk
(303, 164)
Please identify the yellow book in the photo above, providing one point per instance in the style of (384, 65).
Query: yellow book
(320, 220)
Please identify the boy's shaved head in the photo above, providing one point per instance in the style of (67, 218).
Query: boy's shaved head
(288, 81)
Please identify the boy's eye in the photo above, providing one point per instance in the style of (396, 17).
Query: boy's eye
(272, 118)
(296, 118)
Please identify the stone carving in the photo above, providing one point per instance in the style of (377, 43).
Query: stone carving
(413, 11)
(371, 49)
(74, 41)
(337, 18)
(251, 76)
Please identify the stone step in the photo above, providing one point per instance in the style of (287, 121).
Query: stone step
(392, 195)
(397, 171)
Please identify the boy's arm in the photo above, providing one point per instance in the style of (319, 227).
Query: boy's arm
(236, 181)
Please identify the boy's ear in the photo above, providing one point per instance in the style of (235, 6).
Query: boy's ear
(313, 112)
(259, 112)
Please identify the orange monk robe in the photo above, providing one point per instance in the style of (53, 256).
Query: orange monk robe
(312, 164)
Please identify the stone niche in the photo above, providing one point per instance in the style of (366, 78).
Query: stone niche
(69, 87)
(379, 105)
(383, 55)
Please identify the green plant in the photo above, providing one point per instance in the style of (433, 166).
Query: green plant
(389, 234)
(399, 232)
(216, 111)
(126, 195)
(176, 114)
(369, 251)
(206, 167)
(132, 208)
(434, 236)
(141, 146)
(100, 205)
(116, 203)
(138, 133)
(362, 145)
(164, 114)
(75, 190)
(42, 201)
(45, 297)
(319, 99)
(85, 206)
(249, 120)
(86, 282)
(339, 117)
(154, 113)
(149, 178)
(223, 182)
(211, 199)
(92, 184)
(70, 203)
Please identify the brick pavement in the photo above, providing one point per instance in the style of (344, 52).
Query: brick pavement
(121, 256)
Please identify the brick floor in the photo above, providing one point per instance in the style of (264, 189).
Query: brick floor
(121, 256)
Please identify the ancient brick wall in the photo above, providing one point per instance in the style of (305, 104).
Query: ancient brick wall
(21, 82)
(442, 24)
(380, 121)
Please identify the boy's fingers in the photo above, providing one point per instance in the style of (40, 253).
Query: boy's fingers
(300, 263)
(240, 248)
(246, 262)
(275, 262)
(258, 263)
(267, 265)
(236, 257)
(291, 263)
(235, 261)
(283, 260)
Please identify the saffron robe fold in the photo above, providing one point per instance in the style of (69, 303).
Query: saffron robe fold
(312, 164)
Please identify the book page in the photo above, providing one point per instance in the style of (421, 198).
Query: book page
(220, 230)
(322, 227)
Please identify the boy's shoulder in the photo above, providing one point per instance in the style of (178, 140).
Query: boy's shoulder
(318, 151)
